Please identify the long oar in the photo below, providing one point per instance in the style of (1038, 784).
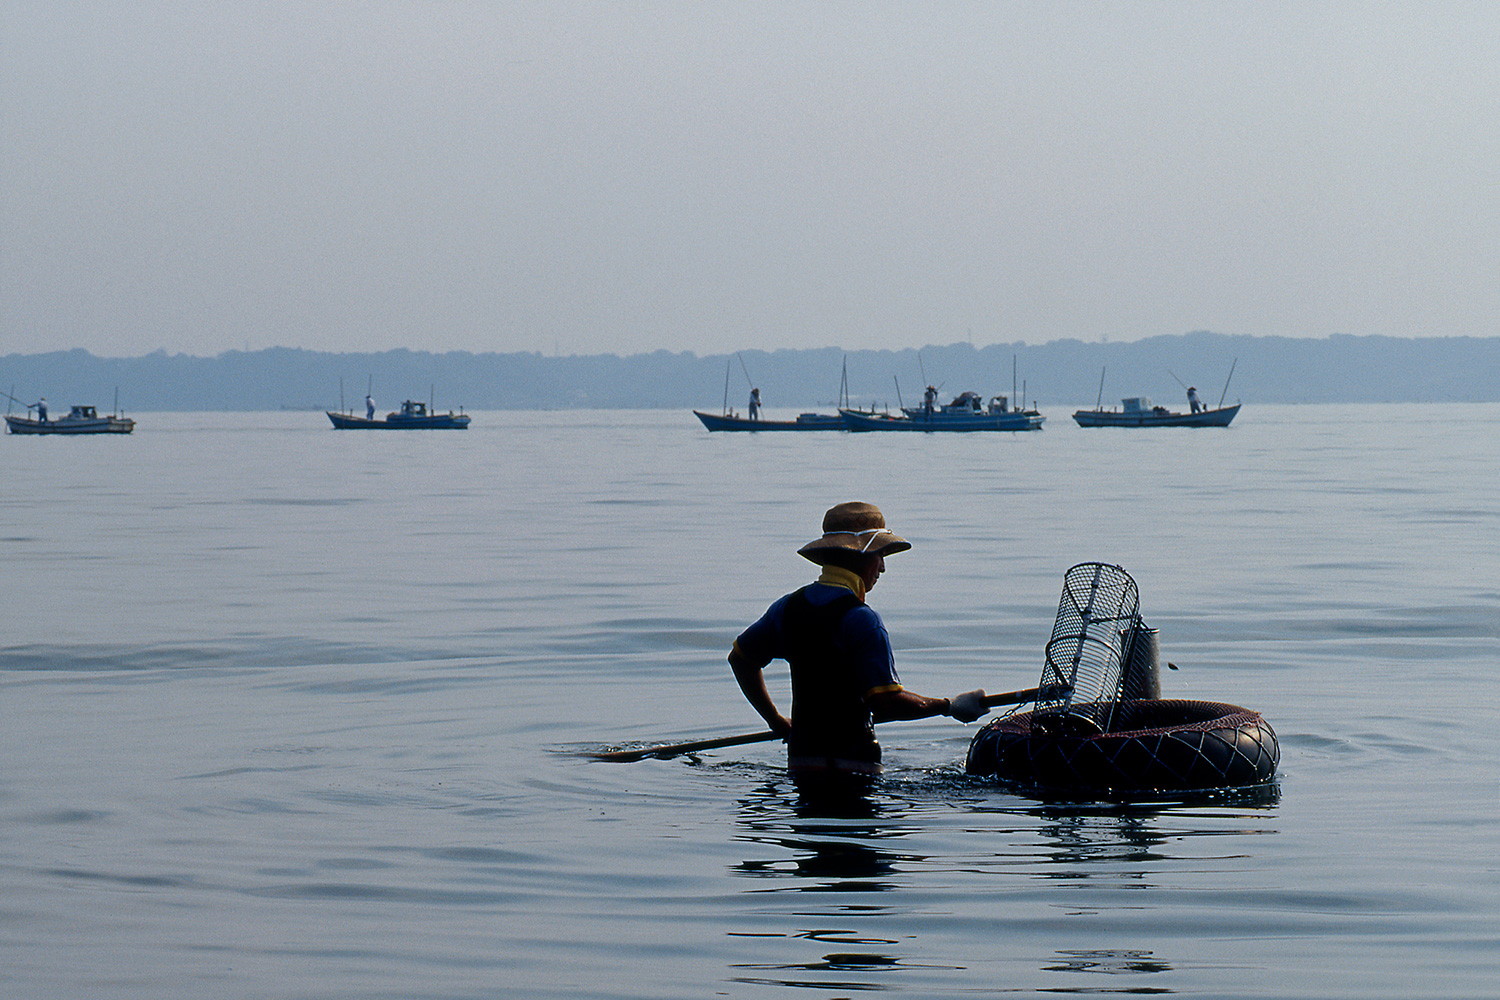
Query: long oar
(674, 749)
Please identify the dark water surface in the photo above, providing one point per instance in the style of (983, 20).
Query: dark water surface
(291, 712)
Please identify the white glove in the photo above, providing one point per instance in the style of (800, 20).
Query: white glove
(968, 706)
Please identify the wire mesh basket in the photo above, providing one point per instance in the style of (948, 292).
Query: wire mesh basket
(1098, 620)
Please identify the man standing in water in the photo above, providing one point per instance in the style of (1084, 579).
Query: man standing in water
(843, 672)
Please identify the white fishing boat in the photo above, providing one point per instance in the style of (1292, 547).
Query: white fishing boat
(80, 420)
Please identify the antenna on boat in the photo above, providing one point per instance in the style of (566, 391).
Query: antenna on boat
(727, 365)
(341, 394)
(1099, 403)
(1013, 384)
(898, 391)
(844, 385)
(1226, 382)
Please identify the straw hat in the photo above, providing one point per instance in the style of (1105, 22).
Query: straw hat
(854, 527)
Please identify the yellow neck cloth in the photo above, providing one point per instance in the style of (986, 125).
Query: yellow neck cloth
(837, 576)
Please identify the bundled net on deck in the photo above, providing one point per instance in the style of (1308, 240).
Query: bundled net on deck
(1098, 620)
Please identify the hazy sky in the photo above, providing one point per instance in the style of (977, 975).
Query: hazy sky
(622, 177)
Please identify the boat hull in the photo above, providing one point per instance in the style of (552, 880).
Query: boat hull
(396, 422)
(804, 422)
(1146, 418)
(64, 425)
(963, 423)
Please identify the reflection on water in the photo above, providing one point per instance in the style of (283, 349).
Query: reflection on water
(1078, 838)
(874, 877)
(830, 836)
(1110, 962)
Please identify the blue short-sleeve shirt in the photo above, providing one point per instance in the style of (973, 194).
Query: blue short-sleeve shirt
(862, 639)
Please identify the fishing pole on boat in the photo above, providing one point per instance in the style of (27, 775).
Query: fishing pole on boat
(29, 406)
(1226, 382)
(1179, 381)
(675, 749)
(748, 381)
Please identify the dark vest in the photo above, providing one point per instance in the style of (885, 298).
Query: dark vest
(829, 716)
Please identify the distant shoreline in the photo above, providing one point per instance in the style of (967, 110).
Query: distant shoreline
(1339, 369)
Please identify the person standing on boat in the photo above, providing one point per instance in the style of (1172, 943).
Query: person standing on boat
(1193, 400)
(843, 672)
(369, 406)
(929, 400)
(754, 404)
(41, 409)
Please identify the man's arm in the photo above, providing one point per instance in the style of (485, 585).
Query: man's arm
(889, 706)
(753, 683)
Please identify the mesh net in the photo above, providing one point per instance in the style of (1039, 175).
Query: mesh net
(1097, 621)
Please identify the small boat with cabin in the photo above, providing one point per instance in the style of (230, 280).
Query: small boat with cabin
(1138, 411)
(966, 412)
(413, 416)
(80, 420)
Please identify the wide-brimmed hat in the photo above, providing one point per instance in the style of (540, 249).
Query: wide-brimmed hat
(854, 527)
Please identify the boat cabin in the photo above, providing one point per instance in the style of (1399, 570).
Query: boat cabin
(411, 408)
(84, 413)
(1141, 405)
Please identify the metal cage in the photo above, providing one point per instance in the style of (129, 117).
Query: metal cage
(1098, 620)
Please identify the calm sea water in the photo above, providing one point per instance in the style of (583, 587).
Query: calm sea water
(294, 713)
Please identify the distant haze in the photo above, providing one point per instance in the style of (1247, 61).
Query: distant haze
(620, 178)
(1054, 376)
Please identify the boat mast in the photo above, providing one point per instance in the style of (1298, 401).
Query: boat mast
(1099, 403)
(727, 365)
(1226, 383)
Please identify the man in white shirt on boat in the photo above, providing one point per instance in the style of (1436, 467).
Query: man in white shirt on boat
(369, 406)
(1193, 401)
(754, 404)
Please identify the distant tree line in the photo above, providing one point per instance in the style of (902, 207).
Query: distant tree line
(1061, 373)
